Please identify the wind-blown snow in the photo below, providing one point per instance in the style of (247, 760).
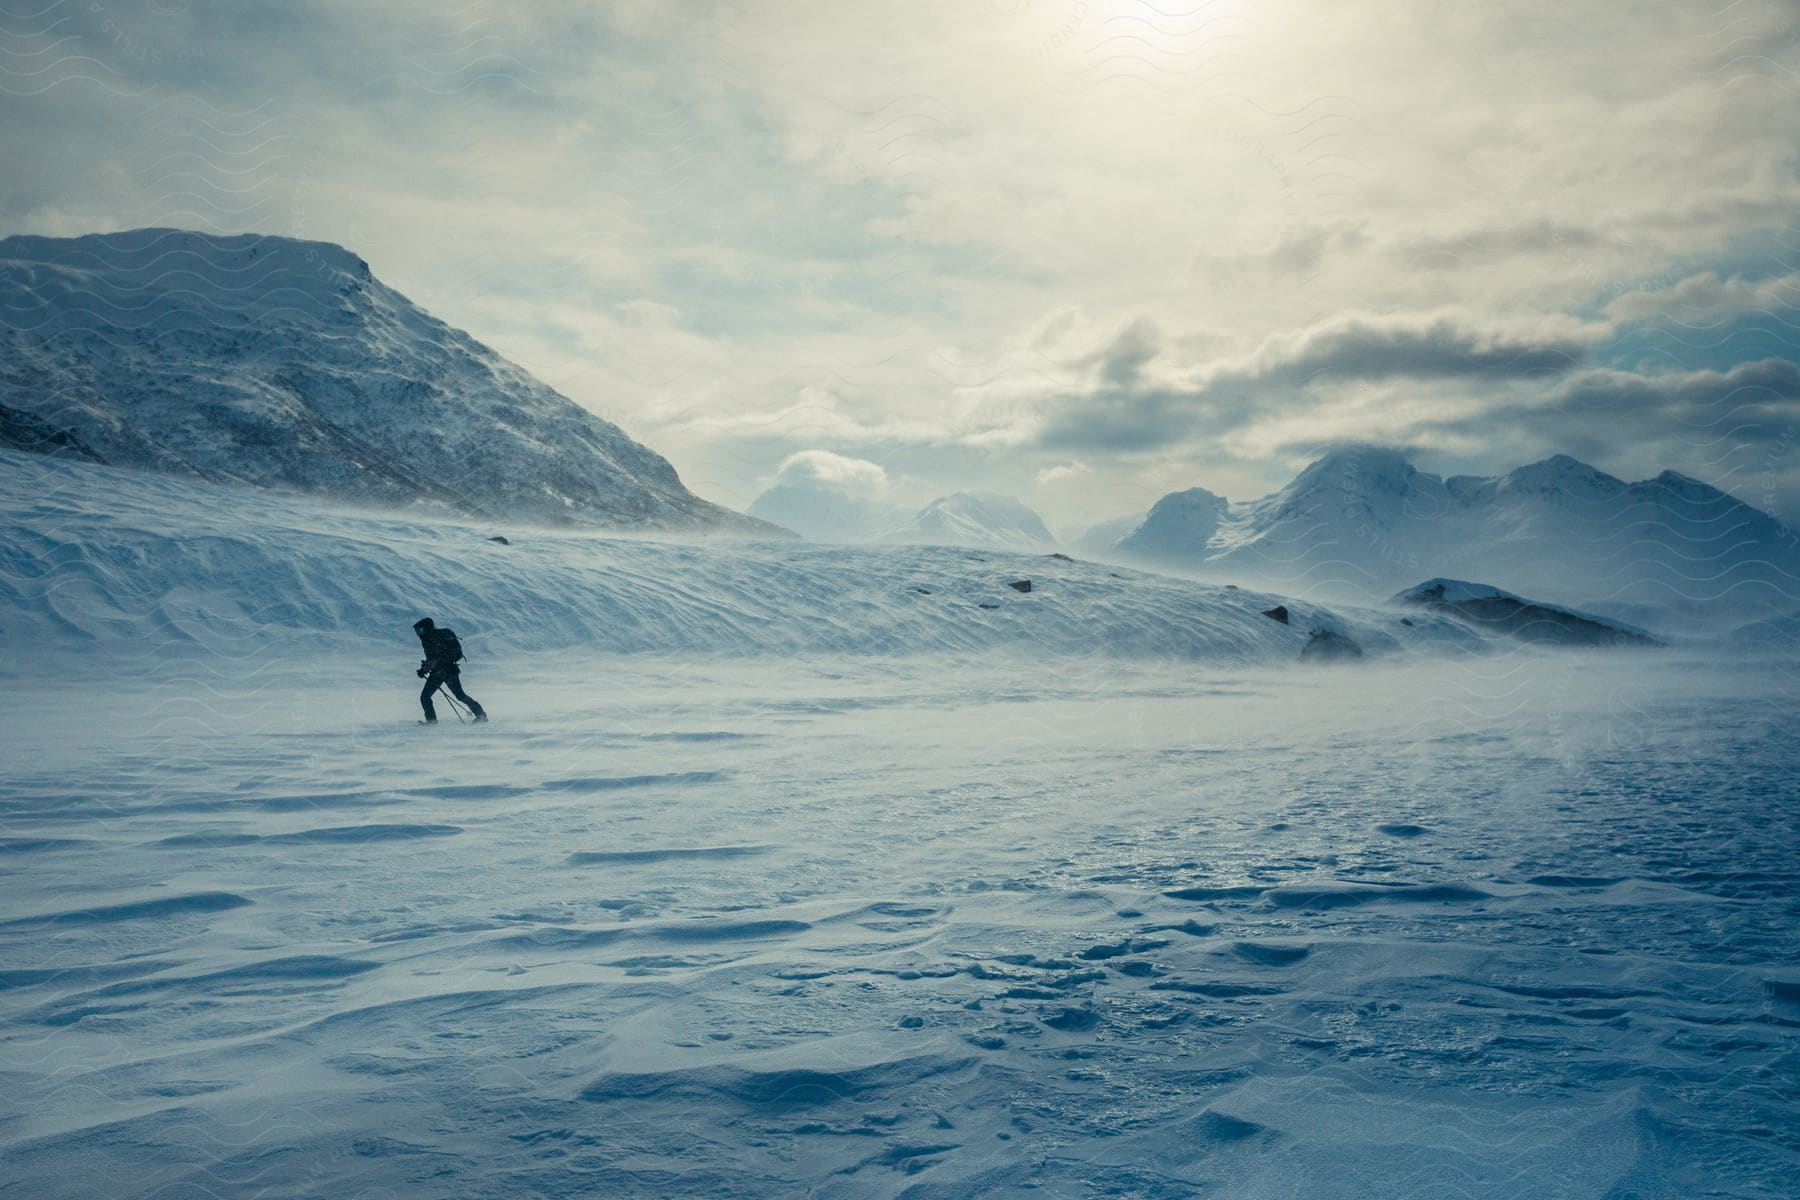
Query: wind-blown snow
(287, 364)
(159, 566)
(900, 927)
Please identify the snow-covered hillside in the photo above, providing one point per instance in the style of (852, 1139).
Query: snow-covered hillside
(287, 364)
(1362, 523)
(136, 565)
(977, 519)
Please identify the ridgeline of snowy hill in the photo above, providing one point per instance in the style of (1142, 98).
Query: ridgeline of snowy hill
(1364, 522)
(287, 364)
(976, 519)
(136, 565)
(1493, 610)
(1778, 635)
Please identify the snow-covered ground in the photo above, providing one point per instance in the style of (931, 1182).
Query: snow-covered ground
(871, 926)
(777, 875)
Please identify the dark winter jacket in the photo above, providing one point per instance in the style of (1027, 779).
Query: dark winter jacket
(442, 650)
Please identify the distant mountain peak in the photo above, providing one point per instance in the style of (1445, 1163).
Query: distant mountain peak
(975, 519)
(1687, 487)
(977, 499)
(1560, 473)
(1191, 499)
(1177, 528)
(1357, 461)
(1374, 474)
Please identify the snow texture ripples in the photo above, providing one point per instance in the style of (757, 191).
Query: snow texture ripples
(1499, 926)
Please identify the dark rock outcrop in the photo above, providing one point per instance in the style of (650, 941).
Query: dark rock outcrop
(1326, 645)
(1492, 610)
(22, 431)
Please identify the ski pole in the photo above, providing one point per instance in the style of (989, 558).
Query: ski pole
(454, 706)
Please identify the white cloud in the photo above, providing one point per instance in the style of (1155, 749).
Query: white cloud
(1705, 299)
(853, 476)
(1063, 473)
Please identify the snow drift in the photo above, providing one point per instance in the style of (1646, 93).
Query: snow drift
(147, 565)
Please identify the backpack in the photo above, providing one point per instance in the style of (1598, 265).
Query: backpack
(445, 648)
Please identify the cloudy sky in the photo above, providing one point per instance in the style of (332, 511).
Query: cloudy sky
(1079, 251)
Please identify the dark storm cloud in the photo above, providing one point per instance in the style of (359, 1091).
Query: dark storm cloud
(1361, 349)
(1754, 402)
(1738, 428)
(1121, 361)
(1131, 409)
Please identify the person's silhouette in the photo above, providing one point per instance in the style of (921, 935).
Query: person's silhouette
(442, 654)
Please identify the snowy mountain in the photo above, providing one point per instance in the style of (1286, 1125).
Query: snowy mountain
(1177, 529)
(979, 519)
(287, 364)
(1365, 522)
